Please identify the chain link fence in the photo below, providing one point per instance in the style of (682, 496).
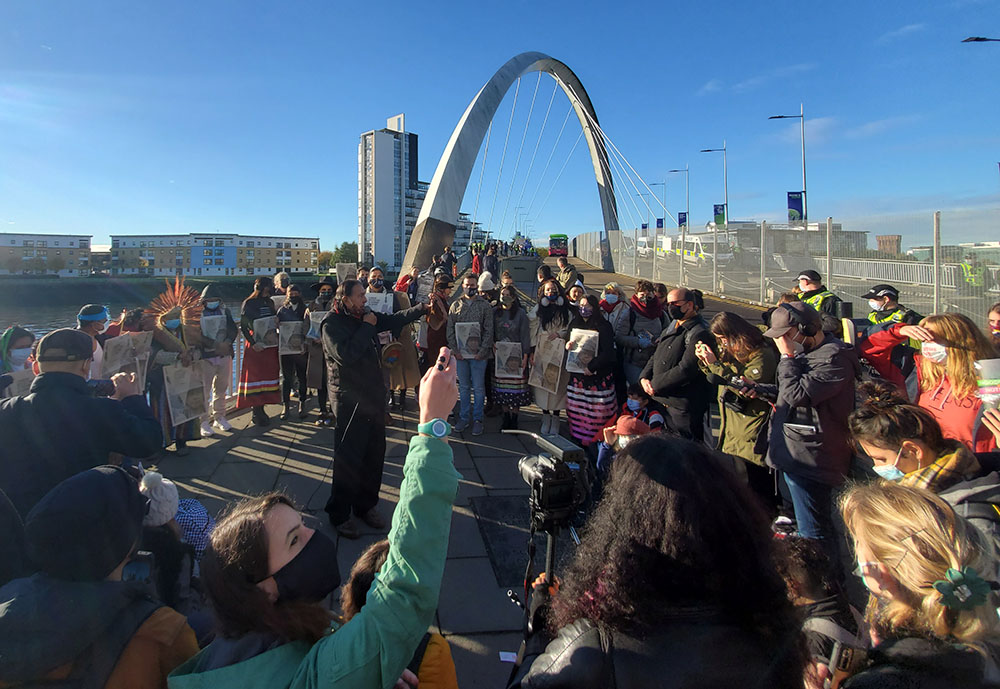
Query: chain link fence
(926, 256)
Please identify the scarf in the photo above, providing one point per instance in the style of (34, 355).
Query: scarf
(947, 470)
(652, 309)
(608, 308)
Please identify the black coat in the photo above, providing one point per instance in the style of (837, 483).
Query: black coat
(349, 344)
(604, 362)
(60, 429)
(678, 381)
(914, 663)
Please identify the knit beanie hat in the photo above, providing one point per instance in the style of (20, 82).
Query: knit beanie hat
(486, 282)
(163, 498)
(87, 525)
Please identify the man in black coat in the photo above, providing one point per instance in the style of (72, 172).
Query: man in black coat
(60, 428)
(349, 333)
(672, 375)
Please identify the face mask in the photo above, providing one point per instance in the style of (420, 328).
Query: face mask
(212, 305)
(19, 357)
(644, 300)
(797, 347)
(471, 292)
(611, 298)
(934, 351)
(874, 305)
(548, 301)
(622, 441)
(295, 301)
(676, 312)
(324, 297)
(995, 332)
(312, 574)
(633, 405)
(377, 283)
(103, 327)
(586, 311)
(507, 299)
(172, 324)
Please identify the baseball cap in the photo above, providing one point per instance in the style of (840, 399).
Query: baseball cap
(65, 344)
(787, 316)
(810, 275)
(882, 291)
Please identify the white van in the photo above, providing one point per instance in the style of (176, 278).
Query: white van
(643, 246)
(697, 249)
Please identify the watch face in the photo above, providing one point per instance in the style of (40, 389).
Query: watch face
(439, 428)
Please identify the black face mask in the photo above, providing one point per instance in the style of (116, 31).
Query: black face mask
(324, 298)
(312, 574)
(676, 312)
(295, 301)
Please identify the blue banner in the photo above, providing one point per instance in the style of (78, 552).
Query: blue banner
(719, 211)
(682, 219)
(659, 223)
(645, 226)
(795, 211)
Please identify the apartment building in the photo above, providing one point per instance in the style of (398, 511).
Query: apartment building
(212, 254)
(65, 255)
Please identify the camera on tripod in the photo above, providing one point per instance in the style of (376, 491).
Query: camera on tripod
(559, 482)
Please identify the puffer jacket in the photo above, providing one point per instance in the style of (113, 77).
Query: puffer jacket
(692, 648)
(808, 435)
(627, 337)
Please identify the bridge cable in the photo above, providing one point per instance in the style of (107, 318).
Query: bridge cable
(503, 156)
(517, 162)
(615, 168)
(551, 153)
(573, 150)
(486, 153)
(555, 87)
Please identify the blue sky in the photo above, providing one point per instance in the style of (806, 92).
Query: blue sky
(125, 117)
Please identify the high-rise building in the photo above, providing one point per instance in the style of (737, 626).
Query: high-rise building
(890, 243)
(389, 194)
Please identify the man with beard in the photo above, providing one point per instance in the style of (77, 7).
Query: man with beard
(359, 405)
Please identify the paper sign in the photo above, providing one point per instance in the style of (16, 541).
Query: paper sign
(213, 328)
(20, 383)
(380, 302)
(265, 331)
(425, 285)
(315, 321)
(548, 365)
(185, 392)
(278, 300)
(988, 381)
(128, 353)
(508, 360)
(346, 271)
(292, 337)
(584, 350)
(469, 339)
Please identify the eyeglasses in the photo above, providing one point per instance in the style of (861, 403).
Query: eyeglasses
(859, 571)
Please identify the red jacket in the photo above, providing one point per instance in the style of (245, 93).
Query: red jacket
(959, 417)
(477, 264)
(403, 283)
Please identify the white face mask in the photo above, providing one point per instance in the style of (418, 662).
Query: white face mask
(935, 352)
(19, 357)
(874, 305)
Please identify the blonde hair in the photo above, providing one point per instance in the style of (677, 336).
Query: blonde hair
(917, 535)
(965, 342)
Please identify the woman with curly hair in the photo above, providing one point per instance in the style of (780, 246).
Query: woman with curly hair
(673, 585)
(549, 320)
(932, 603)
(943, 375)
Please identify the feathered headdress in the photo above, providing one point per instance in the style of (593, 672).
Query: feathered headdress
(178, 301)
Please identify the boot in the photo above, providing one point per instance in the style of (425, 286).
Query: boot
(402, 400)
(513, 421)
(257, 417)
(302, 409)
(285, 410)
(554, 426)
(546, 423)
(505, 424)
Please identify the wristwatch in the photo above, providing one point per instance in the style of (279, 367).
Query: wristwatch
(438, 428)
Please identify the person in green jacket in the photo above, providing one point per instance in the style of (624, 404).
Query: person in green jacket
(743, 353)
(266, 573)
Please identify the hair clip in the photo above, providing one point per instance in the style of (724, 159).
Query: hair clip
(963, 589)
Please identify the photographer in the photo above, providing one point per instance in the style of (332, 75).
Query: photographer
(59, 428)
(266, 573)
(359, 442)
(809, 440)
(673, 585)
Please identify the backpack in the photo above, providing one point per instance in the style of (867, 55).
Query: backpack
(978, 501)
(850, 651)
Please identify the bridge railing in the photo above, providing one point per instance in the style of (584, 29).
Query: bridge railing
(964, 277)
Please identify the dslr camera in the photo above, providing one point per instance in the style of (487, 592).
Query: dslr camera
(559, 482)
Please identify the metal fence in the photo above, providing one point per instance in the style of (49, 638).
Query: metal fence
(925, 256)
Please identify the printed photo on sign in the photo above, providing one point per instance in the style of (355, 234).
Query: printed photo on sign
(988, 382)
(279, 301)
(265, 331)
(346, 271)
(380, 302)
(315, 321)
(20, 383)
(185, 392)
(469, 339)
(128, 353)
(548, 365)
(425, 285)
(583, 345)
(508, 360)
(213, 328)
(292, 336)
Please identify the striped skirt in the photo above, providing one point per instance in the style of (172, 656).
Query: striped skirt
(591, 404)
(512, 392)
(258, 378)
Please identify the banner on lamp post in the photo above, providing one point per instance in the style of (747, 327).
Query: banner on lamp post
(682, 219)
(645, 226)
(659, 223)
(795, 199)
(719, 211)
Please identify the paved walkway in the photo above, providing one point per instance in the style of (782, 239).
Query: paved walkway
(474, 613)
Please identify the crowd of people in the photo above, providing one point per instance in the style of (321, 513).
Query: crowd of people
(710, 557)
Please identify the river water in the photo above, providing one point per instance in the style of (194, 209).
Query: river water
(42, 319)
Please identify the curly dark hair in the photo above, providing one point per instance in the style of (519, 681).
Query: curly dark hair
(885, 418)
(552, 312)
(675, 529)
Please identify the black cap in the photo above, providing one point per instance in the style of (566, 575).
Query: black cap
(810, 275)
(87, 525)
(787, 316)
(65, 344)
(879, 291)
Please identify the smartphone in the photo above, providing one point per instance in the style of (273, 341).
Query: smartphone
(139, 568)
(801, 428)
(102, 388)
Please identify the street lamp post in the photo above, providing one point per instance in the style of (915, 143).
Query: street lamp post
(655, 238)
(725, 216)
(802, 131)
(687, 220)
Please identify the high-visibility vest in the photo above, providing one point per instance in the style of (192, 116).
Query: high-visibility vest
(817, 300)
(894, 316)
(973, 274)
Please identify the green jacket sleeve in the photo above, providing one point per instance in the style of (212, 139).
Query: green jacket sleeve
(375, 646)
